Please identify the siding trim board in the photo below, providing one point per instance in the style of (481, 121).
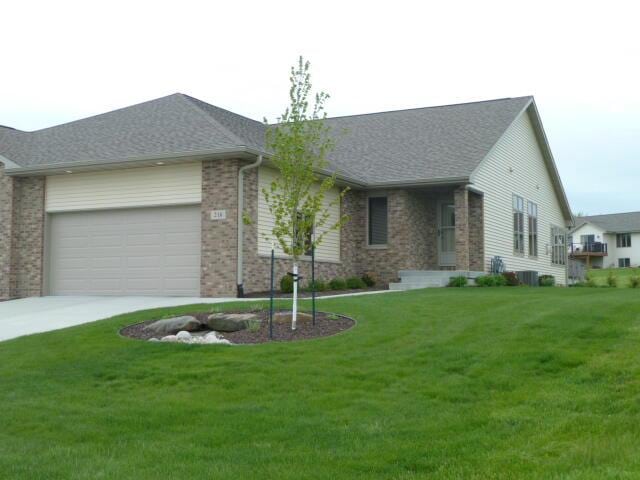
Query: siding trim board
(127, 188)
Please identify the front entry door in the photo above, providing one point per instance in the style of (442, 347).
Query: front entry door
(446, 235)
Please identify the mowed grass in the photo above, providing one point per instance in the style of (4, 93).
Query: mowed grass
(493, 383)
(622, 275)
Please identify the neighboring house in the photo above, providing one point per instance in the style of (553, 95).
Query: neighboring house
(606, 241)
(145, 200)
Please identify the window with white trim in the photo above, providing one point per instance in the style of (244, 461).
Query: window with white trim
(624, 262)
(532, 217)
(623, 240)
(377, 221)
(518, 224)
(558, 245)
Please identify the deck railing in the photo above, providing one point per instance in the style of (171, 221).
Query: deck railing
(597, 248)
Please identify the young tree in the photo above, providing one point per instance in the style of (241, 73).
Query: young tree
(299, 144)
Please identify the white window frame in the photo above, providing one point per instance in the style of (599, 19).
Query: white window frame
(558, 249)
(625, 260)
(376, 245)
(532, 220)
(517, 227)
(623, 240)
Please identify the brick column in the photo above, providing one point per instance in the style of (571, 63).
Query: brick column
(476, 232)
(219, 237)
(6, 235)
(461, 204)
(28, 237)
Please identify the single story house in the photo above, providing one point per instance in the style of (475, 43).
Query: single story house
(147, 200)
(607, 241)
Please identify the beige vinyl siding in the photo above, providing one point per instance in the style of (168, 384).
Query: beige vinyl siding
(328, 250)
(516, 166)
(125, 188)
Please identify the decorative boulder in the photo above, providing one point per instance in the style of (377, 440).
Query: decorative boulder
(213, 338)
(169, 338)
(285, 317)
(183, 336)
(231, 322)
(170, 326)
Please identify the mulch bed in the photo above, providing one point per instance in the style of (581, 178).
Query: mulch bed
(327, 324)
(318, 294)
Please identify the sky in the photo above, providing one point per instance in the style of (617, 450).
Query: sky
(65, 60)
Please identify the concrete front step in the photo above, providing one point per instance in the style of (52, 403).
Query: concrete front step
(413, 279)
(439, 273)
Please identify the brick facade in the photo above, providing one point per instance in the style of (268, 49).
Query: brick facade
(476, 232)
(22, 223)
(219, 237)
(461, 204)
(412, 234)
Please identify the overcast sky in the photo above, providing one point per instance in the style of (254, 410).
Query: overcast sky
(64, 60)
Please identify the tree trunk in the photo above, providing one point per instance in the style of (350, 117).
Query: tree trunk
(294, 313)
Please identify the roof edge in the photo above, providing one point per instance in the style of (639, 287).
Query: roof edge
(546, 151)
(17, 170)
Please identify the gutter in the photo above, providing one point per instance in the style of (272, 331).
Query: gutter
(240, 259)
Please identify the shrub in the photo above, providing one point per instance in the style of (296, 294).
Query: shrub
(511, 279)
(286, 284)
(338, 284)
(494, 280)
(355, 283)
(320, 286)
(634, 281)
(369, 279)
(546, 280)
(612, 281)
(459, 281)
(590, 281)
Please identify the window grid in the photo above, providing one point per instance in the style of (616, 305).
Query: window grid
(532, 213)
(558, 246)
(623, 240)
(518, 224)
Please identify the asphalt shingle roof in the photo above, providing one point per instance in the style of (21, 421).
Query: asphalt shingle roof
(614, 222)
(397, 146)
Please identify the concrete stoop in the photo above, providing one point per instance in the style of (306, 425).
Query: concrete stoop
(412, 279)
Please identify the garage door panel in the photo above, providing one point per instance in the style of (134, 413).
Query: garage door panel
(146, 251)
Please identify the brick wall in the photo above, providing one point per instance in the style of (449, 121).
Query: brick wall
(461, 204)
(219, 237)
(21, 236)
(476, 232)
(6, 226)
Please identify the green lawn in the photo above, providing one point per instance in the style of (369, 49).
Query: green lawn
(492, 383)
(622, 275)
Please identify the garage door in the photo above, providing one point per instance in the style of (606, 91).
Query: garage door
(145, 251)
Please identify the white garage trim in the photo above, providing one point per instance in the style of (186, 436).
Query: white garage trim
(125, 188)
(141, 251)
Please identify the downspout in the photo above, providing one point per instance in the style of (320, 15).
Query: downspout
(239, 279)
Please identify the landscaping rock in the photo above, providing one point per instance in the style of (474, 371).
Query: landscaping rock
(183, 336)
(173, 325)
(153, 339)
(285, 317)
(169, 338)
(213, 338)
(231, 322)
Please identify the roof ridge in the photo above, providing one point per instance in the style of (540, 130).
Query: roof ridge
(99, 114)
(609, 214)
(431, 107)
(194, 100)
(189, 100)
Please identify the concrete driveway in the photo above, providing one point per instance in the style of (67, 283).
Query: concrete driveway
(43, 314)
